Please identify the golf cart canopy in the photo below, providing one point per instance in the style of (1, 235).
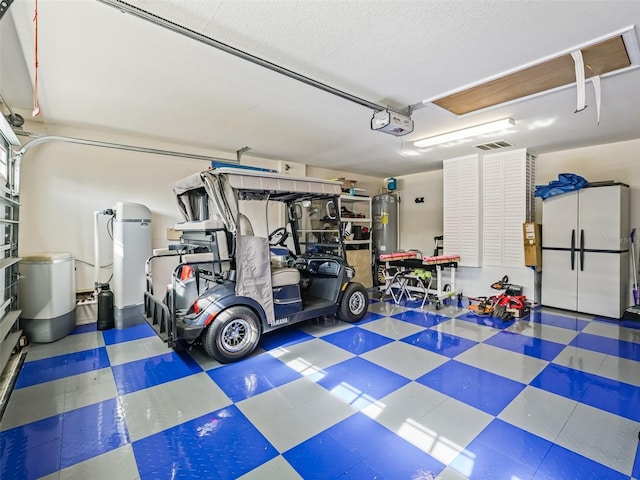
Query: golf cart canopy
(214, 194)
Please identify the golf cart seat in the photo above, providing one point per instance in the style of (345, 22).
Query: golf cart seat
(281, 276)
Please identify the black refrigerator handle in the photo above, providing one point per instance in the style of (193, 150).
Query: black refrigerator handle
(573, 249)
(581, 250)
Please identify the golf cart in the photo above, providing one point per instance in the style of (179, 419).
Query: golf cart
(231, 280)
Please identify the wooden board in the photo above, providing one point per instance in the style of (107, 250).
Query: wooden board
(360, 260)
(598, 59)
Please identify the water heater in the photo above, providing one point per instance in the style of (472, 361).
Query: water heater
(131, 248)
(385, 223)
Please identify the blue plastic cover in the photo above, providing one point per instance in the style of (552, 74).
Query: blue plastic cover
(567, 182)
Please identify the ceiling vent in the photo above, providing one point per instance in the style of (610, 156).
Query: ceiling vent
(493, 145)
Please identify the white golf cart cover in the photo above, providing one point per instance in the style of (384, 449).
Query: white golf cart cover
(224, 187)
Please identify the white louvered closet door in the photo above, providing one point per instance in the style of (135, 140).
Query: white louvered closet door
(461, 209)
(507, 204)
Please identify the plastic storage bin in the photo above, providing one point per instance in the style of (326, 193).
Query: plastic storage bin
(47, 296)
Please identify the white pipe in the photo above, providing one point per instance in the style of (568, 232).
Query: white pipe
(38, 139)
(96, 250)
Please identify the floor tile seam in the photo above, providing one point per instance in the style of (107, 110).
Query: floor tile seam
(64, 376)
(534, 467)
(228, 401)
(599, 377)
(440, 402)
(610, 354)
(567, 447)
(475, 380)
(526, 357)
(630, 342)
(28, 362)
(506, 453)
(120, 387)
(627, 359)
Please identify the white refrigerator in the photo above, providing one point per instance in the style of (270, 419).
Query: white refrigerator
(585, 250)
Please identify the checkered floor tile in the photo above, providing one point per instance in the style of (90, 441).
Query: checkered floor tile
(406, 393)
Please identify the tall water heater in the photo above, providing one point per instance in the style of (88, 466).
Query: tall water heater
(131, 248)
(385, 223)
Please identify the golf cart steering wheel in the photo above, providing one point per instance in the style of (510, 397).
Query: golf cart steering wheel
(278, 237)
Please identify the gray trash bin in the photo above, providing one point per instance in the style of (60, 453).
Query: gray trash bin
(47, 296)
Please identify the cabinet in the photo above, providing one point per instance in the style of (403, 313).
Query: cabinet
(585, 256)
(9, 223)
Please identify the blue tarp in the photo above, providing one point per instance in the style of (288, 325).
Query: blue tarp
(567, 182)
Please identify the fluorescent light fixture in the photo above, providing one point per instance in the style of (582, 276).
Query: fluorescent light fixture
(465, 133)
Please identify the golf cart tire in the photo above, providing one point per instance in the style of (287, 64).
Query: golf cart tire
(233, 334)
(354, 303)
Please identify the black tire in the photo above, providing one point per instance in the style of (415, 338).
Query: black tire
(233, 335)
(354, 303)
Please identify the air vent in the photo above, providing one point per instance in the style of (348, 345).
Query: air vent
(493, 145)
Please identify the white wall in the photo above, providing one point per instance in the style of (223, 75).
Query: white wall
(613, 161)
(63, 184)
(420, 222)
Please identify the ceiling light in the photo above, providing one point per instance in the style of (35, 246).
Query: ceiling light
(465, 133)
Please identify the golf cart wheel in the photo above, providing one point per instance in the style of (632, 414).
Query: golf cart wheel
(354, 303)
(233, 335)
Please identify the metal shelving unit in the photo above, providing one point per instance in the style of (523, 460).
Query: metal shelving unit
(10, 332)
(358, 205)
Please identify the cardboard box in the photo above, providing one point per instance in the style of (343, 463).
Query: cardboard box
(532, 242)
(519, 312)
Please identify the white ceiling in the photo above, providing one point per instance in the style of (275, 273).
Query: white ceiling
(101, 68)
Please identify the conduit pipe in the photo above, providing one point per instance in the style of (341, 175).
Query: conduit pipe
(125, 7)
(96, 250)
(37, 140)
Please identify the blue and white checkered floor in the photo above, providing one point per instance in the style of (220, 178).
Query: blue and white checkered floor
(405, 394)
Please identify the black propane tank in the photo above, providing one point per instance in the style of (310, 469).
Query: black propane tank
(105, 307)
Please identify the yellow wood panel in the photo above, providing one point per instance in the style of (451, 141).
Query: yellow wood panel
(361, 261)
(601, 58)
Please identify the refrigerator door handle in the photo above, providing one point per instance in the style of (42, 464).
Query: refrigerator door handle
(573, 249)
(581, 250)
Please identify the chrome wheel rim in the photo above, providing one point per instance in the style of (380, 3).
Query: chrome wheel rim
(236, 335)
(357, 303)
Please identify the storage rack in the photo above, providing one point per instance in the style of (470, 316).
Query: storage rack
(360, 205)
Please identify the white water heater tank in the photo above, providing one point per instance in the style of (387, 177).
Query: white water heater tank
(131, 248)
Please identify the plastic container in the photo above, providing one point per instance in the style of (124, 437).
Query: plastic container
(105, 308)
(47, 296)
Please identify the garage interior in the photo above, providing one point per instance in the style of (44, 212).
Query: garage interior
(478, 153)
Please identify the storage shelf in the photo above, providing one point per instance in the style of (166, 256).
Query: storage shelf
(357, 242)
(354, 198)
(355, 219)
